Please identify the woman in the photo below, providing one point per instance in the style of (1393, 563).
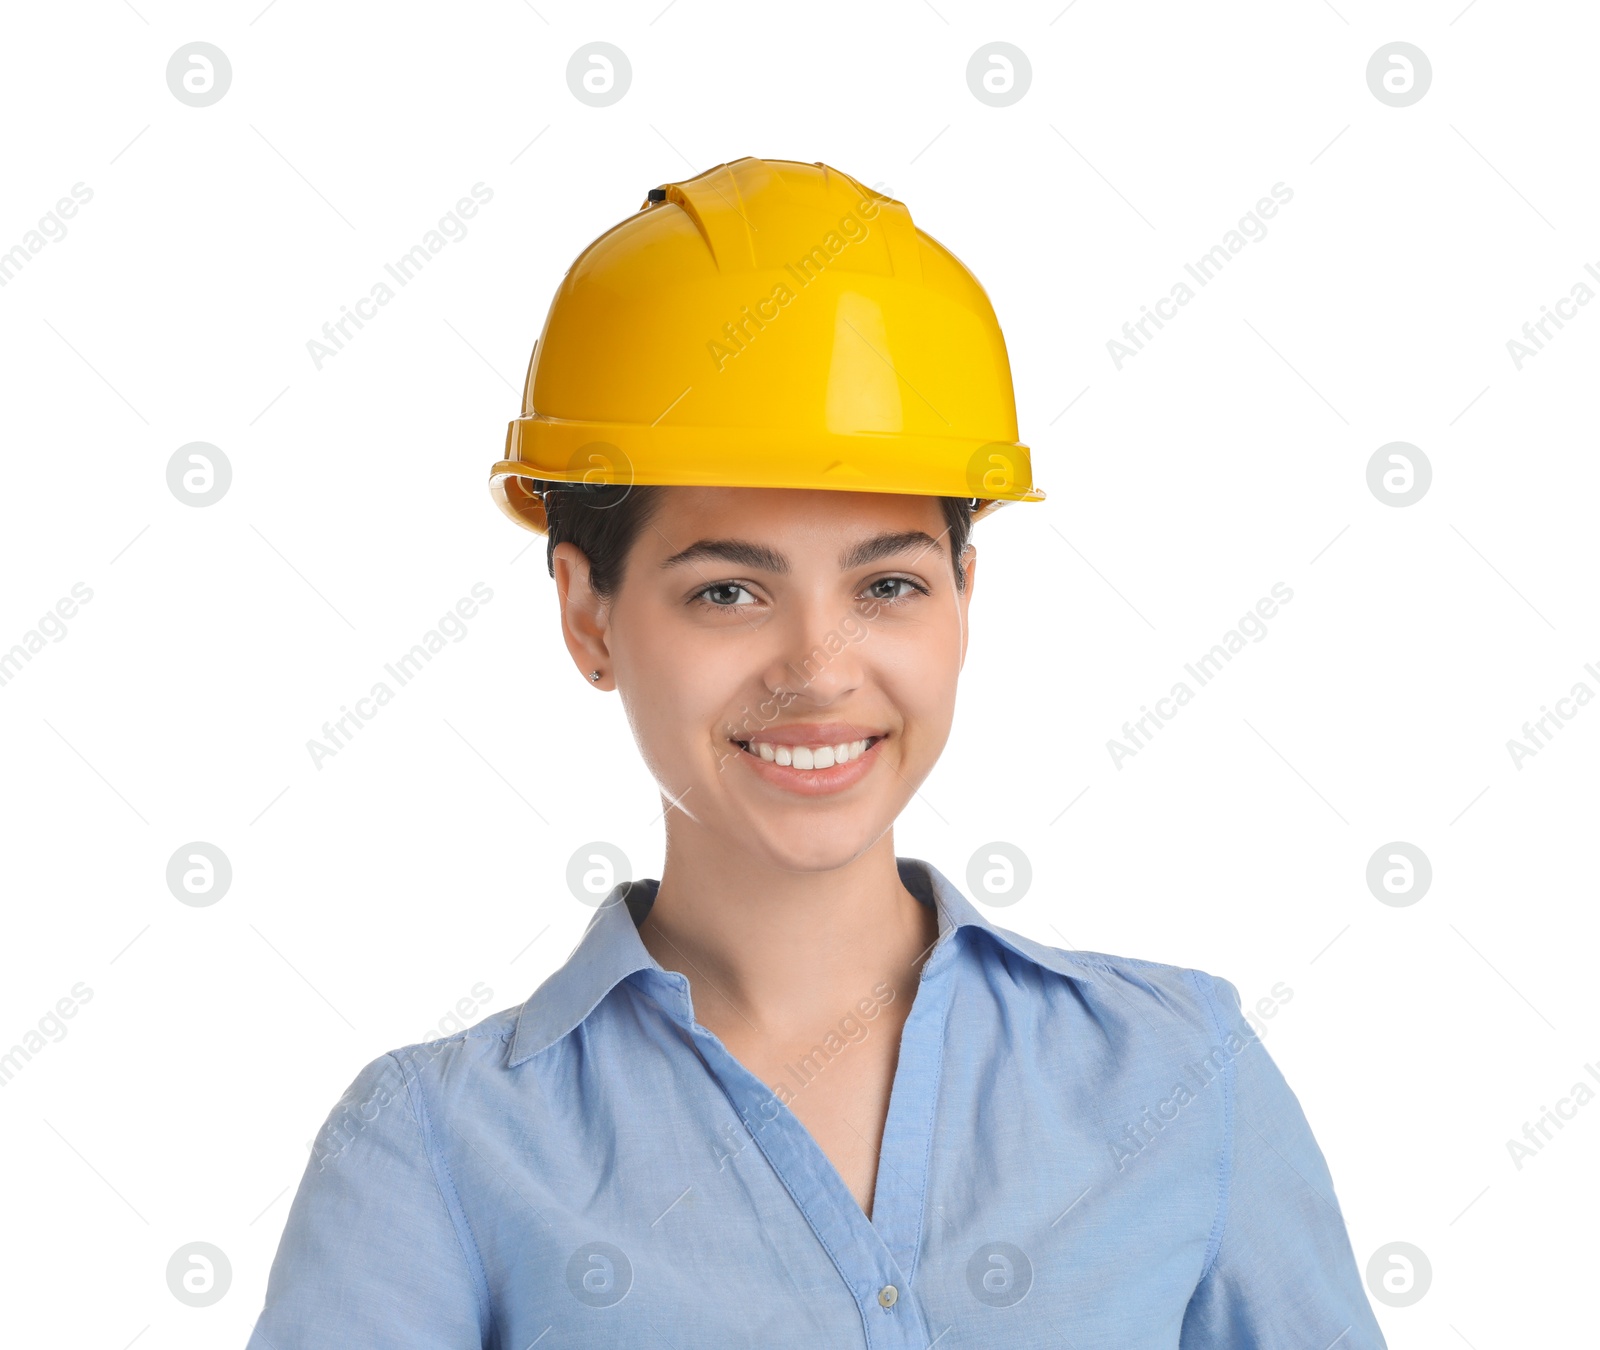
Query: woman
(800, 1091)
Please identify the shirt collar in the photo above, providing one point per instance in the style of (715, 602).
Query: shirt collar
(611, 950)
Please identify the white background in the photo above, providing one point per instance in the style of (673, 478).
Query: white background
(369, 895)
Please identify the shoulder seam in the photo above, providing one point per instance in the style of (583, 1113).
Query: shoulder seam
(1053, 958)
(1207, 992)
(462, 1037)
(1141, 961)
(1108, 961)
(442, 1180)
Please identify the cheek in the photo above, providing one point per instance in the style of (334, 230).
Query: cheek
(920, 681)
(680, 688)
(932, 709)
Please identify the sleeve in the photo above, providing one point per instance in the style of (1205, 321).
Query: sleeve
(1281, 1270)
(371, 1254)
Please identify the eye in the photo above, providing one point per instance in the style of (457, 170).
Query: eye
(899, 597)
(722, 594)
(721, 588)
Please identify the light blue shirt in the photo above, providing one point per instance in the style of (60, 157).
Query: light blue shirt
(1081, 1150)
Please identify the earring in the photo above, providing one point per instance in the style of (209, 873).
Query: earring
(595, 675)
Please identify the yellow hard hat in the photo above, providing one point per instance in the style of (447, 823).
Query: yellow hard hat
(768, 323)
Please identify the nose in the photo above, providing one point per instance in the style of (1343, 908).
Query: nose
(817, 659)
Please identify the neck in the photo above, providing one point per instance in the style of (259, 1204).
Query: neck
(773, 952)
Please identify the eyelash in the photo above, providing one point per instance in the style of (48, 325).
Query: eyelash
(702, 602)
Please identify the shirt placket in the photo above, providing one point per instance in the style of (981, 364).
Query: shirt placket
(876, 1258)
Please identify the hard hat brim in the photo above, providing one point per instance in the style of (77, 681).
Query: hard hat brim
(567, 451)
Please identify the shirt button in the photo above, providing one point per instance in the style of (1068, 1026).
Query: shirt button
(888, 1295)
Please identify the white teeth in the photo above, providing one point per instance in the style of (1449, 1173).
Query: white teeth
(810, 756)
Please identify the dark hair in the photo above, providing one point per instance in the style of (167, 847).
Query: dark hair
(603, 520)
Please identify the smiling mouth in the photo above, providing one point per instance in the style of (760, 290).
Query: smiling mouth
(808, 757)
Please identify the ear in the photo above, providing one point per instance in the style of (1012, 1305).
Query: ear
(585, 617)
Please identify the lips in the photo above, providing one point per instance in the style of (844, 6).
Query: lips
(798, 757)
(808, 756)
(815, 733)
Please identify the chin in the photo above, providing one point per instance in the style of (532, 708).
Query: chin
(820, 849)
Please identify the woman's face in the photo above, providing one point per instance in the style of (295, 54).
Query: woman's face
(797, 619)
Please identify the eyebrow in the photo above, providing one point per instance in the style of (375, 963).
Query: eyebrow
(770, 560)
